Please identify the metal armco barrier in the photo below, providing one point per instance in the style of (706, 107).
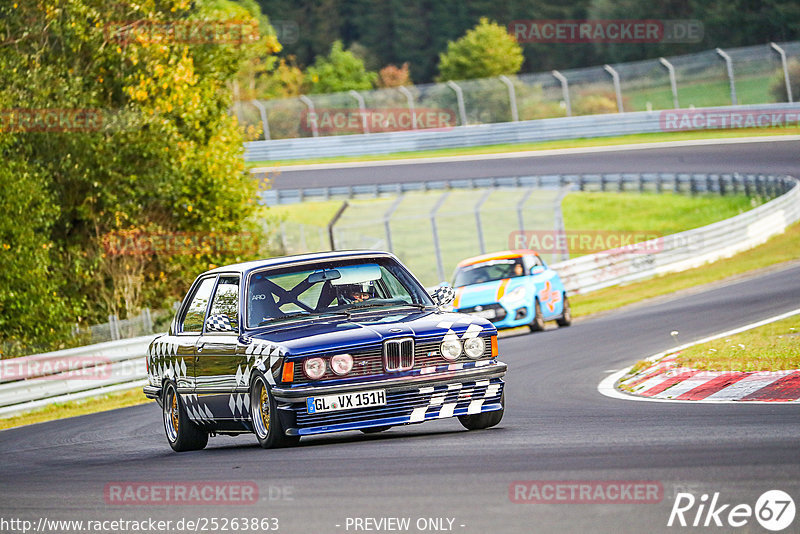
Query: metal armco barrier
(33, 381)
(483, 134)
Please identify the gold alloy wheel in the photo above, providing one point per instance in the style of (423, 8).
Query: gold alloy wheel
(264, 398)
(174, 412)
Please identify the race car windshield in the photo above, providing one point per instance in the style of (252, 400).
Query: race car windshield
(487, 272)
(307, 291)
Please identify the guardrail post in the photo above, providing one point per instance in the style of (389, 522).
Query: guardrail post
(729, 65)
(410, 101)
(721, 185)
(437, 250)
(512, 97)
(311, 114)
(333, 222)
(672, 82)
(520, 205)
(386, 219)
(617, 88)
(781, 52)
(362, 108)
(558, 219)
(564, 90)
(460, 99)
(262, 110)
(478, 225)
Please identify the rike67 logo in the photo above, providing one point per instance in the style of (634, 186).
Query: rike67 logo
(774, 510)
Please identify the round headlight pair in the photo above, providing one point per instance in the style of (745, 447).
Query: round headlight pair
(473, 348)
(341, 364)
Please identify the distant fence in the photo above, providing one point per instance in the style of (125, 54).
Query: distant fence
(736, 76)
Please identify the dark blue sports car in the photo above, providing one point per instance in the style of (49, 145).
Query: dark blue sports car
(301, 345)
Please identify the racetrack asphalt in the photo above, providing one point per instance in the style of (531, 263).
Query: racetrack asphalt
(556, 427)
(772, 157)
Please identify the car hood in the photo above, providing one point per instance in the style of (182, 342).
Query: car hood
(487, 292)
(364, 329)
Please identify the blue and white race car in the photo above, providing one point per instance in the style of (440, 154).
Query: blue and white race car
(511, 288)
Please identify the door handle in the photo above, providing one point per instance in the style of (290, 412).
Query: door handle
(200, 348)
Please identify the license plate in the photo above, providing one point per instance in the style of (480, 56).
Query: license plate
(346, 401)
(486, 314)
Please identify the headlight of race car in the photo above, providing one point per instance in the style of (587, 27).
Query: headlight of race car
(451, 349)
(341, 364)
(473, 347)
(314, 368)
(517, 294)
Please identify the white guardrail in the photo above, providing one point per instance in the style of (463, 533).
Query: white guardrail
(531, 131)
(33, 381)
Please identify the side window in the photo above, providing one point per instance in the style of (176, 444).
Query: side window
(196, 312)
(226, 299)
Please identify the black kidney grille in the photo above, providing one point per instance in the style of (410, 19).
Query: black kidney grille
(398, 354)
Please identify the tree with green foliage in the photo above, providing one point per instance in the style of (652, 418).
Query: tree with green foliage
(339, 71)
(484, 51)
(161, 153)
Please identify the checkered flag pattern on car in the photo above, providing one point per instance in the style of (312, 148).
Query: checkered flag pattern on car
(218, 323)
(443, 294)
(456, 399)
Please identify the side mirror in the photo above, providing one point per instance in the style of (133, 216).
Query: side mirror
(443, 295)
(219, 323)
(537, 269)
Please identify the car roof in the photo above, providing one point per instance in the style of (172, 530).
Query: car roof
(503, 255)
(281, 261)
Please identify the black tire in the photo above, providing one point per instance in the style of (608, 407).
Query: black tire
(264, 416)
(566, 317)
(479, 421)
(182, 434)
(375, 429)
(537, 323)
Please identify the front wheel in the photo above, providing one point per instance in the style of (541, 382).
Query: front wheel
(182, 433)
(480, 421)
(566, 316)
(264, 415)
(537, 323)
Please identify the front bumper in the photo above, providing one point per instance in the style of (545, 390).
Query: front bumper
(454, 392)
(519, 314)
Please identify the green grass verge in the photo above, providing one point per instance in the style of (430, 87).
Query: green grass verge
(660, 214)
(544, 145)
(62, 410)
(772, 347)
(778, 249)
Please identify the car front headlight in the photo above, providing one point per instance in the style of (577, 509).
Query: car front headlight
(341, 364)
(314, 368)
(451, 349)
(515, 295)
(474, 347)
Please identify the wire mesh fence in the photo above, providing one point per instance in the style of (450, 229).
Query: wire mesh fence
(695, 80)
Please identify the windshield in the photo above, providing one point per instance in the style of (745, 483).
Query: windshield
(488, 271)
(337, 287)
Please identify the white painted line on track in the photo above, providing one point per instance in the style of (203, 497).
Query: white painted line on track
(524, 154)
(606, 386)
